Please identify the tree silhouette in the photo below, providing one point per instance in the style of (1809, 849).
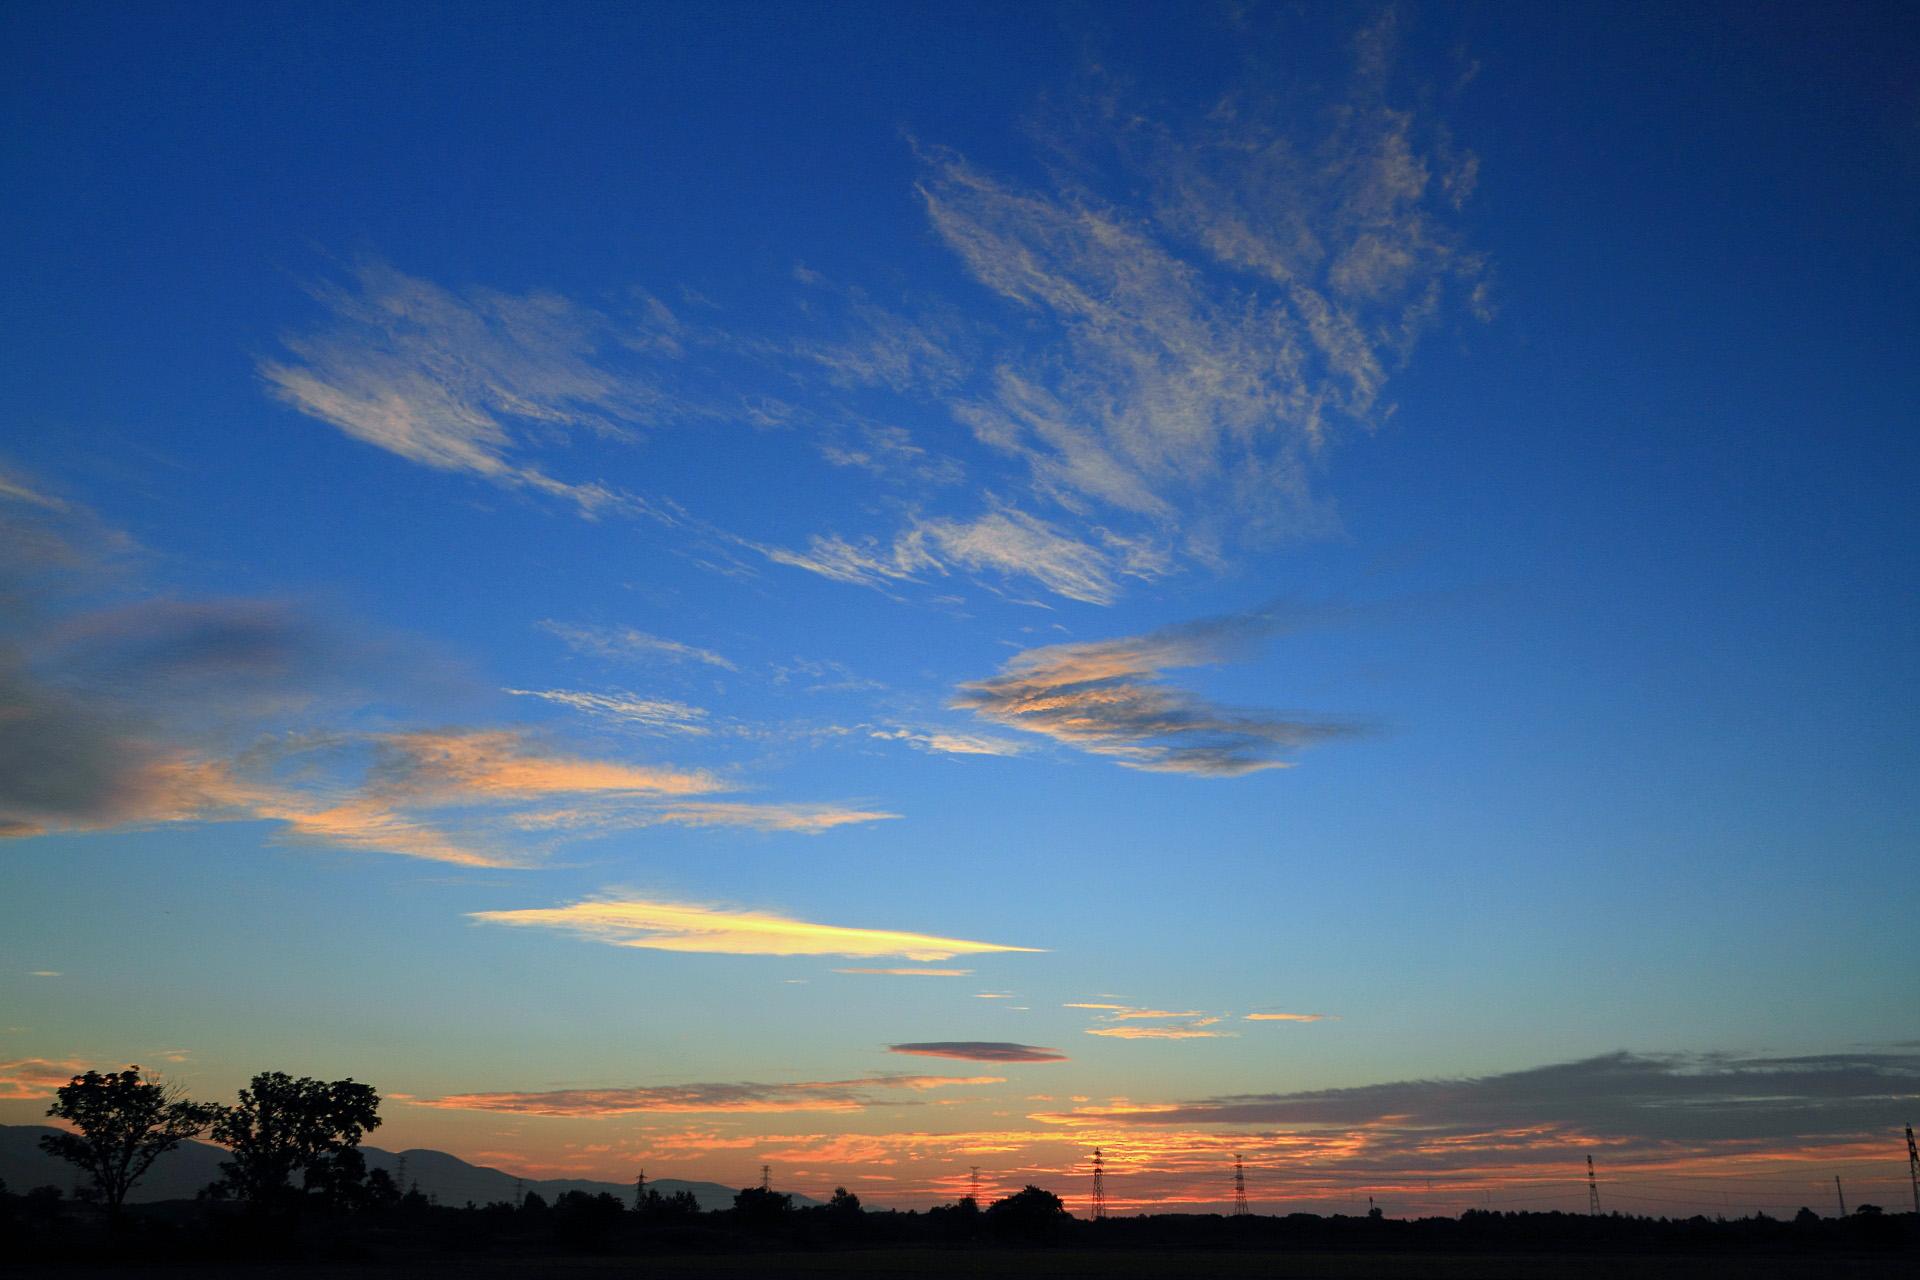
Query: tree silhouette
(758, 1207)
(126, 1123)
(284, 1126)
(1033, 1212)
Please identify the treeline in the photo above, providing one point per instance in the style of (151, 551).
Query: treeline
(42, 1226)
(297, 1184)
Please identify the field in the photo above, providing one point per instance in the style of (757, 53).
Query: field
(921, 1264)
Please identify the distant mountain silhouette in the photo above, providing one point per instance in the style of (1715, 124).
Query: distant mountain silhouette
(180, 1174)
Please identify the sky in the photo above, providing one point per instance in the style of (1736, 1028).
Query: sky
(886, 590)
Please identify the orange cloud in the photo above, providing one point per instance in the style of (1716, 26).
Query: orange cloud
(1190, 1031)
(672, 926)
(1107, 697)
(498, 764)
(1121, 1012)
(913, 973)
(1284, 1017)
(27, 1078)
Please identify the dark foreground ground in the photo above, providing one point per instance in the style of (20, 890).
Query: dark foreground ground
(936, 1264)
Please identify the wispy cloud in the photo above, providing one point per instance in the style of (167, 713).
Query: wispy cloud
(27, 1078)
(673, 926)
(1192, 1029)
(980, 1051)
(463, 382)
(1124, 1013)
(627, 643)
(804, 818)
(1200, 349)
(1616, 1096)
(169, 711)
(1106, 697)
(954, 744)
(627, 710)
(827, 1095)
(1167, 1024)
(1284, 1017)
(13, 489)
(1006, 541)
(913, 973)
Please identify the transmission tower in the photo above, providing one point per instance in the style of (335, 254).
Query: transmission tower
(1099, 1186)
(1593, 1190)
(1239, 1189)
(766, 1177)
(640, 1192)
(973, 1184)
(1840, 1195)
(1913, 1168)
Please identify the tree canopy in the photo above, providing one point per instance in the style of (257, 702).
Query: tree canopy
(283, 1126)
(126, 1122)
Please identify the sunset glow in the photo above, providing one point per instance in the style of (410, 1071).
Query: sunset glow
(864, 591)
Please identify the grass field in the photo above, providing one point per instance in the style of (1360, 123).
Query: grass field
(913, 1264)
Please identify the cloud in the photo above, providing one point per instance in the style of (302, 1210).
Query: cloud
(1106, 697)
(1284, 1017)
(1613, 1097)
(1174, 1024)
(168, 711)
(957, 744)
(1192, 355)
(625, 642)
(862, 563)
(829, 1095)
(1013, 543)
(627, 710)
(803, 818)
(465, 383)
(1193, 1030)
(670, 926)
(14, 490)
(913, 973)
(1123, 1013)
(1006, 541)
(101, 705)
(492, 765)
(980, 1051)
(28, 1078)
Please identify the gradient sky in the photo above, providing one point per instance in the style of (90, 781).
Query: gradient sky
(882, 588)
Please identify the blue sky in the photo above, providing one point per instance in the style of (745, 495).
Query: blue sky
(1400, 517)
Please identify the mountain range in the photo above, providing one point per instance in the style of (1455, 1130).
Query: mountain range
(447, 1179)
